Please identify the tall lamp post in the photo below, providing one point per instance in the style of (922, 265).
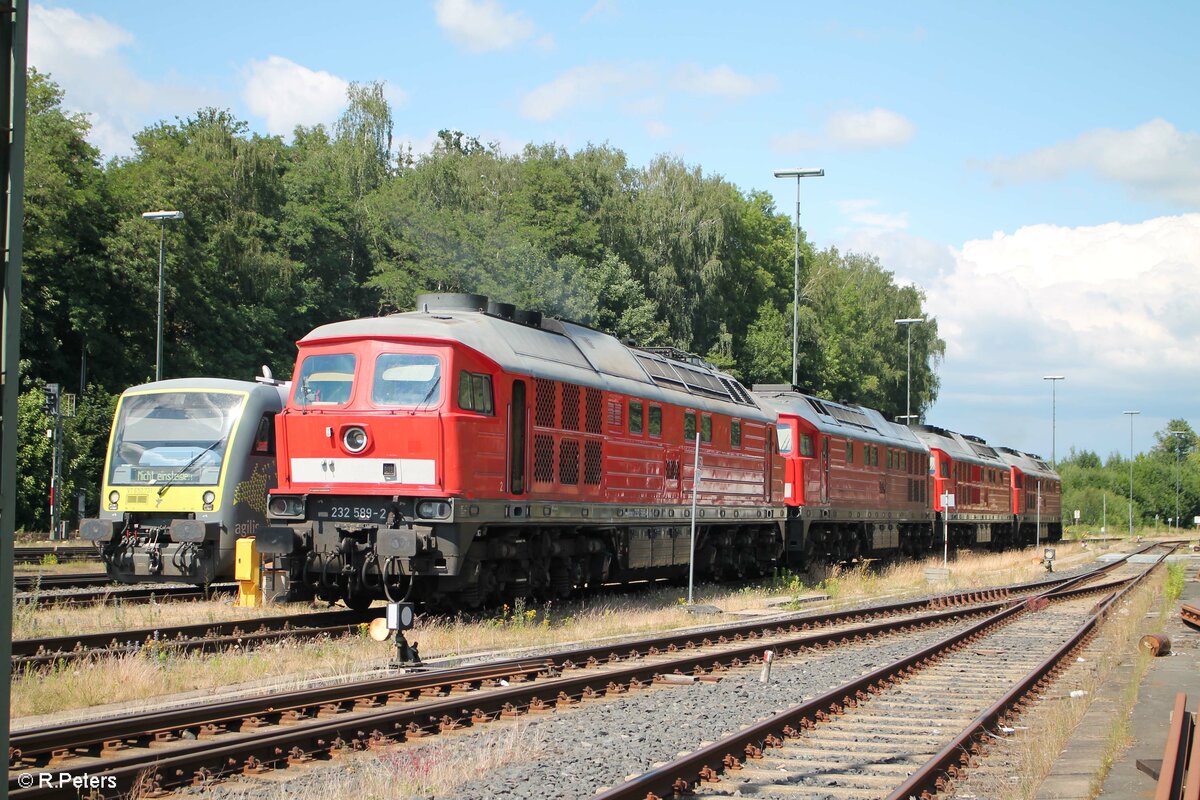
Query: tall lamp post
(797, 174)
(1131, 414)
(908, 323)
(1054, 379)
(162, 218)
(1178, 469)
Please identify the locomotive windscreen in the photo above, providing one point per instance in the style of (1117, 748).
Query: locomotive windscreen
(178, 436)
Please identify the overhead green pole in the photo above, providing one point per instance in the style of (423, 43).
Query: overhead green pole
(13, 27)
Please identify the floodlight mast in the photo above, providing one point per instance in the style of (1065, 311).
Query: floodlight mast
(797, 173)
(162, 218)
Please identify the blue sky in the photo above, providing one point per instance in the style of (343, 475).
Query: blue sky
(1034, 167)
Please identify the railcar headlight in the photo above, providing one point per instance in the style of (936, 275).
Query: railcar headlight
(354, 439)
(433, 509)
(113, 497)
(209, 498)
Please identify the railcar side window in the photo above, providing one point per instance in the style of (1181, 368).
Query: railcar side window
(945, 469)
(849, 452)
(656, 420)
(785, 438)
(407, 380)
(806, 445)
(325, 380)
(689, 425)
(635, 417)
(475, 392)
(264, 439)
(735, 433)
(706, 428)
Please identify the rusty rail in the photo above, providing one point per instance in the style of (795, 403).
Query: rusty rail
(1179, 776)
(1190, 615)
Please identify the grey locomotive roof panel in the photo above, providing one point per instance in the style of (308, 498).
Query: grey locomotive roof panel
(1028, 463)
(961, 448)
(561, 351)
(838, 419)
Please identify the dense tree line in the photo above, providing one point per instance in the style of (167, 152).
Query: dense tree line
(1167, 474)
(281, 237)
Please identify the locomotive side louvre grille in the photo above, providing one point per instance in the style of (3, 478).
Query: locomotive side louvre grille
(614, 414)
(593, 404)
(543, 458)
(568, 462)
(570, 407)
(592, 458)
(546, 403)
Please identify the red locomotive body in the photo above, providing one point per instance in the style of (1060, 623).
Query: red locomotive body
(468, 452)
(1033, 481)
(969, 470)
(856, 484)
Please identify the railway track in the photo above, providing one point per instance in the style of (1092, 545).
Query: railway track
(905, 730)
(205, 637)
(36, 555)
(28, 583)
(161, 750)
(144, 593)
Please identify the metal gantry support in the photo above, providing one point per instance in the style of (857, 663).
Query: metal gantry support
(14, 20)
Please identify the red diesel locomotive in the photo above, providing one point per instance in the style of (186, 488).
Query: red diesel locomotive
(469, 453)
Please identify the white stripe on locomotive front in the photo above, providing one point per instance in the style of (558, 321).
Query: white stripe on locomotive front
(412, 471)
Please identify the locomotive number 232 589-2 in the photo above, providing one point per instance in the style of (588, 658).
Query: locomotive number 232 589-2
(338, 509)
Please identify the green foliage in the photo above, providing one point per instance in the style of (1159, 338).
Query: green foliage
(279, 238)
(1175, 579)
(1164, 479)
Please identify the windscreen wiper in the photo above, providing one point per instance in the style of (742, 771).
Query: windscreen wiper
(163, 489)
(432, 388)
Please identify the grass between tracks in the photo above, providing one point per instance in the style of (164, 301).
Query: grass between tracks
(1030, 754)
(153, 672)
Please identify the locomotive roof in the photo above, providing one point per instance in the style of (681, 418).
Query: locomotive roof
(841, 419)
(562, 351)
(1028, 463)
(254, 388)
(960, 447)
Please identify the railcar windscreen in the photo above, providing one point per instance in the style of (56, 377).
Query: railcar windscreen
(407, 380)
(180, 437)
(325, 380)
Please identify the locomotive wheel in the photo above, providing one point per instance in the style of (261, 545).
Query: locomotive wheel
(357, 601)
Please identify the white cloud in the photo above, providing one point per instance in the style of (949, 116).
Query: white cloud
(863, 213)
(286, 94)
(851, 130)
(720, 81)
(1154, 160)
(657, 129)
(483, 25)
(589, 85)
(1112, 307)
(601, 8)
(83, 54)
(878, 127)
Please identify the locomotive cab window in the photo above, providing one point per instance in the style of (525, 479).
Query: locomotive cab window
(475, 392)
(407, 380)
(635, 417)
(785, 438)
(325, 380)
(806, 445)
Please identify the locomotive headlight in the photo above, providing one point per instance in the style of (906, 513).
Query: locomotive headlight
(433, 509)
(209, 498)
(285, 506)
(113, 497)
(354, 439)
